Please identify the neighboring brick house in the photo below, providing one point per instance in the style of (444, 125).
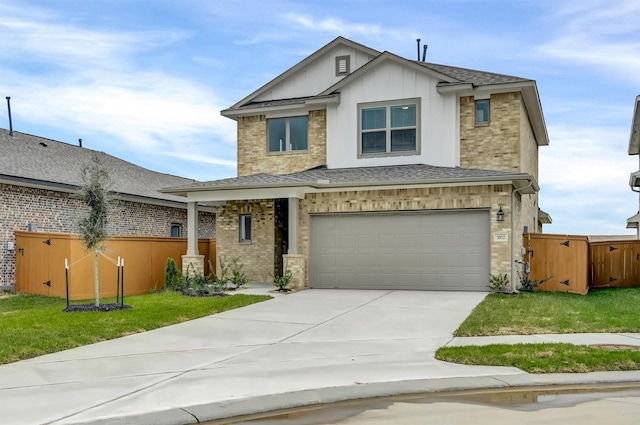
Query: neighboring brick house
(39, 176)
(362, 169)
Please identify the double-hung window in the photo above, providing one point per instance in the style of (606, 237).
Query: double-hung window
(287, 134)
(389, 128)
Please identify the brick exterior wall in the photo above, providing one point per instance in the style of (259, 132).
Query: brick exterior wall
(53, 211)
(253, 157)
(257, 255)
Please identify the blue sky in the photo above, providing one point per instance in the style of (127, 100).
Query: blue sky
(145, 80)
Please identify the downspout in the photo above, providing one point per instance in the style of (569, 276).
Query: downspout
(513, 223)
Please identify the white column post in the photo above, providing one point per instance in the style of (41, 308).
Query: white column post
(192, 228)
(293, 225)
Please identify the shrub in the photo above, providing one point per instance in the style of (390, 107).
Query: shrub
(499, 283)
(171, 275)
(283, 281)
(527, 284)
(238, 278)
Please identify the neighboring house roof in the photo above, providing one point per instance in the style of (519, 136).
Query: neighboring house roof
(34, 161)
(544, 217)
(321, 178)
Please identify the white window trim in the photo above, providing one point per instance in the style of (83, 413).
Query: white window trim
(388, 105)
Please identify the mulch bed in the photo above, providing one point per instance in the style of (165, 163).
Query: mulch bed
(93, 307)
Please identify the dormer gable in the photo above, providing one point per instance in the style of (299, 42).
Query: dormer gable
(307, 79)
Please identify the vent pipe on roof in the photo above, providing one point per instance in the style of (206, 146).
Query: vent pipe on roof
(424, 52)
(9, 108)
(418, 41)
(80, 142)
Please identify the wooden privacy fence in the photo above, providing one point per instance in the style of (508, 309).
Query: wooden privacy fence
(40, 263)
(575, 264)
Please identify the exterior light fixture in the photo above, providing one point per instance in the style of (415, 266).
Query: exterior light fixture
(500, 214)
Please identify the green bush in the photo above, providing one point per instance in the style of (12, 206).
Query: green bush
(528, 284)
(283, 281)
(499, 283)
(171, 275)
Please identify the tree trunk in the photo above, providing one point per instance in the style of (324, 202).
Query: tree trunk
(97, 280)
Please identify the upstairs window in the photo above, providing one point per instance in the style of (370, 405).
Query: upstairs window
(175, 230)
(482, 111)
(389, 128)
(287, 134)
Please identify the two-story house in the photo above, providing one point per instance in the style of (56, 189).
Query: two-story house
(634, 149)
(363, 169)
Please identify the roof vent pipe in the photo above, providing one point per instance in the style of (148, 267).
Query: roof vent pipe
(424, 52)
(80, 142)
(9, 108)
(418, 41)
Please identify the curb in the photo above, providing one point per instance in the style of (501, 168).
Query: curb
(313, 397)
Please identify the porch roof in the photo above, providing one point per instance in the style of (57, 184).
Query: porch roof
(321, 179)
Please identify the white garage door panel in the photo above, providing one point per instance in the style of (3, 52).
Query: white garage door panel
(428, 251)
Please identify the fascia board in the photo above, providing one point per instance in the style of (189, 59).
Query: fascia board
(67, 188)
(246, 194)
(524, 183)
(385, 56)
(303, 63)
(264, 110)
(634, 137)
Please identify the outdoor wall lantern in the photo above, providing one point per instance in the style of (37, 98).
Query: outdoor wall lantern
(500, 214)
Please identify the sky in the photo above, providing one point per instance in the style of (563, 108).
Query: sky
(145, 80)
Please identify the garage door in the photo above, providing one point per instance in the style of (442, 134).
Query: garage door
(425, 251)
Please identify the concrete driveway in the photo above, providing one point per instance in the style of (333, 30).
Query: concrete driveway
(295, 349)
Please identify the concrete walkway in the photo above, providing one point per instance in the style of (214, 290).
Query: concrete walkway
(310, 347)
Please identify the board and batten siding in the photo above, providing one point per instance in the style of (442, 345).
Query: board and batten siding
(439, 122)
(316, 76)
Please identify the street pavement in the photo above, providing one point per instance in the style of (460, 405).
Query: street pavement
(310, 347)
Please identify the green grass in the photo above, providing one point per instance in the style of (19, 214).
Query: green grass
(544, 358)
(603, 310)
(32, 325)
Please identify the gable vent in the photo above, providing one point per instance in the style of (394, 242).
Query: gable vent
(343, 65)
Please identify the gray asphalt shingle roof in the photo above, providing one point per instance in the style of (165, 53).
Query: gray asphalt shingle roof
(471, 76)
(27, 158)
(405, 174)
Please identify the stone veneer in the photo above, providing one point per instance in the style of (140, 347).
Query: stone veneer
(253, 157)
(53, 211)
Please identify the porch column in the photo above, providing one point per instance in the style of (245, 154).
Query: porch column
(192, 262)
(192, 228)
(293, 225)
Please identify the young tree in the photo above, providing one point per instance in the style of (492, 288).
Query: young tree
(94, 192)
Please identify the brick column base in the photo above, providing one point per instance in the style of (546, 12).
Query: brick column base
(193, 265)
(298, 265)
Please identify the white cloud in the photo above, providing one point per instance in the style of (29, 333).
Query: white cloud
(90, 81)
(601, 34)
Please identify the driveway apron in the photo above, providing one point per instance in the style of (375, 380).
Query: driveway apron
(308, 340)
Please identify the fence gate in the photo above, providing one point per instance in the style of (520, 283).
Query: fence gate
(614, 264)
(560, 258)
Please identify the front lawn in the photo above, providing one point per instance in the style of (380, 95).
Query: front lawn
(544, 358)
(32, 325)
(603, 310)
